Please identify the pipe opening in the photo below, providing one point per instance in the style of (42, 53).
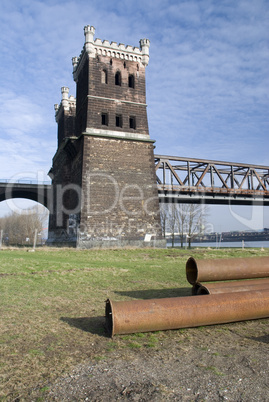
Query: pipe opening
(109, 319)
(203, 291)
(191, 271)
(196, 288)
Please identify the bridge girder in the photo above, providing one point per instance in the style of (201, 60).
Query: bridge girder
(189, 180)
(182, 180)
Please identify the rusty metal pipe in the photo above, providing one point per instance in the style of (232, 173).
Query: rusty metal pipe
(195, 288)
(221, 287)
(125, 317)
(230, 287)
(226, 269)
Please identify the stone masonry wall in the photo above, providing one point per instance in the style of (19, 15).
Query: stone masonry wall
(106, 97)
(119, 190)
(66, 171)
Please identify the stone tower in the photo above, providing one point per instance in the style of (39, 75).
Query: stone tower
(103, 173)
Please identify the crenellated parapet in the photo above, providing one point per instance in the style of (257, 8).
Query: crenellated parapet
(97, 47)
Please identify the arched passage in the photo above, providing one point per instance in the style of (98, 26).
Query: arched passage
(40, 193)
(23, 222)
(21, 206)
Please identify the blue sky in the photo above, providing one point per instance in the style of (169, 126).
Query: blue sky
(207, 78)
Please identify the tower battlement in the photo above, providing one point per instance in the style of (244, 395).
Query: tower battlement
(97, 47)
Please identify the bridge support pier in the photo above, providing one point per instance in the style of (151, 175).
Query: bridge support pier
(103, 173)
(116, 203)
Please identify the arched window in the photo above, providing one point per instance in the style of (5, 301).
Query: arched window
(131, 81)
(104, 76)
(118, 78)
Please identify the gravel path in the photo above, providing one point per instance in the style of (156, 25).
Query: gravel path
(227, 362)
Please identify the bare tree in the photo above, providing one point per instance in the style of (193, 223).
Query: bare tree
(195, 217)
(164, 215)
(182, 219)
(20, 228)
(173, 223)
(186, 220)
(169, 221)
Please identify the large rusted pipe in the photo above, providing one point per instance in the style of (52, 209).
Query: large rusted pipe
(125, 317)
(230, 287)
(195, 288)
(226, 269)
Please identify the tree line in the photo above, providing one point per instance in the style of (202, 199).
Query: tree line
(183, 221)
(21, 229)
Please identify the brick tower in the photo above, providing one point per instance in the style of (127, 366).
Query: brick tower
(103, 173)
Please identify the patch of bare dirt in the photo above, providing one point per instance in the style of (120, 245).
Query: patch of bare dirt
(218, 363)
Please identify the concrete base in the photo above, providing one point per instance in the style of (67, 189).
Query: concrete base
(120, 243)
(62, 239)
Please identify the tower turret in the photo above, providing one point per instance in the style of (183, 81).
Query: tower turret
(144, 44)
(89, 32)
(111, 92)
(65, 115)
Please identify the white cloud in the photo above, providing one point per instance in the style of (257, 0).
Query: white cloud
(18, 113)
(207, 81)
(213, 84)
(23, 139)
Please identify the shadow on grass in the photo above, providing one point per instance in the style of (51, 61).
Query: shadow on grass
(93, 325)
(263, 338)
(155, 293)
(96, 325)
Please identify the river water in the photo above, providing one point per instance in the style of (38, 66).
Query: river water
(236, 244)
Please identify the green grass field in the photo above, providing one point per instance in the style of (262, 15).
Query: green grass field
(52, 304)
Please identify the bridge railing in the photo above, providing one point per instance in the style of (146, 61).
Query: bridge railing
(25, 181)
(179, 174)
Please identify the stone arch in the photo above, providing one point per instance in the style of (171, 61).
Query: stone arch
(104, 76)
(40, 193)
(118, 78)
(131, 81)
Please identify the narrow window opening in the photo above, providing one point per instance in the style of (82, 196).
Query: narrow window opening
(118, 78)
(118, 120)
(132, 122)
(104, 77)
(131, 81)
(111, 62)
(124, 65)
(104, 119)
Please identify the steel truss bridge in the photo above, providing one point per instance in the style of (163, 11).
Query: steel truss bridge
(182, 180)
(188, 180)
